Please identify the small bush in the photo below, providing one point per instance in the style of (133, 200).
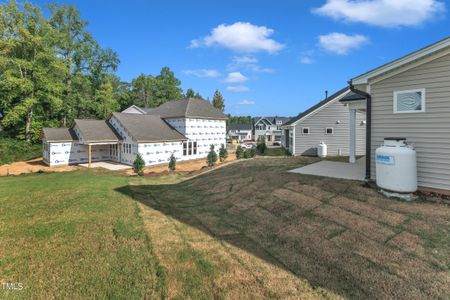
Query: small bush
(245, 155)
(239, 152)
(251, 153)
(138, 165)
(223, 153)
(261, 146)
(172, 163)
(12, 150)
(211, 159)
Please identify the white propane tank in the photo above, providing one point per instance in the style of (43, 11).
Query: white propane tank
(396, 167)
(322, 150)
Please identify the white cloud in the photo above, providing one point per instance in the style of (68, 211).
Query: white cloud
(247, 63)
(247, 102)
(341, 43)
(234, 77)
(203, 73)
(307, 57)
(385, 13)
(238, 88)
(240, 37)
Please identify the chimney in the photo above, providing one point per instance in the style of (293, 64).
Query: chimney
(326, 94)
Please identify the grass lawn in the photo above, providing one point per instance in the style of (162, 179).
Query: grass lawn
(247, 230)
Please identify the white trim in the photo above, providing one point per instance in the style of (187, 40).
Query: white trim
(409, 111)
(338, 97)
(303, 131)
(332, 130)
(364, 78)
(293, 141)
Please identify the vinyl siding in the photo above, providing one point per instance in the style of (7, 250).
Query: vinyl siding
(327, 116)
(428, 131)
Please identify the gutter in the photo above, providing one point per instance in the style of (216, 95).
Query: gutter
(368, 124)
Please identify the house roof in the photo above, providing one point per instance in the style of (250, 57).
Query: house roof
(430, 49)
(317, 106)
(240, 126)
(148, 128)
(188, 108)
(352, 97)
(59, 135)
(97, 131)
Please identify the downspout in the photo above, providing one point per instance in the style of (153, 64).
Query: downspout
(368, 124)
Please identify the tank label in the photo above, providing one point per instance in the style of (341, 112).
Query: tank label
(385, 159)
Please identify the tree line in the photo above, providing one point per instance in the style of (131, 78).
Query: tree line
(53, 71)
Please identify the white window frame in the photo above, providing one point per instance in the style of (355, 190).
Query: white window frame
(410, 91)
(332, 130)
(303, 128)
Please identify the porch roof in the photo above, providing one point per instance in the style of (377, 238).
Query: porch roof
(97, 131)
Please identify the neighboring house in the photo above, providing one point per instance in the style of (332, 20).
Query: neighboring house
(240, 132)
(328, 121)
(187, 128)
(269, 128)
(134, 109)
(410, 97)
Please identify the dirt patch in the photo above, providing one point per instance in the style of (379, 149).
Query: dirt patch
(32, 166)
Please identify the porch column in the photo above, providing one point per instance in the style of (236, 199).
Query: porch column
(89, 155)
(352, 150)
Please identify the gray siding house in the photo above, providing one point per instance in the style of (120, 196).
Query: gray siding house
(269, 128)
(410, 97)
(328, 121)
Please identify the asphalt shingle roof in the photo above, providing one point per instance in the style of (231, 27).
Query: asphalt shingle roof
(352, 97)
(189, 108)
(240, 126)
(97, 131)
(59, 135)
(148, 128)
(318, 105)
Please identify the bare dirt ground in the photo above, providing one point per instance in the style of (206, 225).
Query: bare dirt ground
(31, 166)
(252, 230)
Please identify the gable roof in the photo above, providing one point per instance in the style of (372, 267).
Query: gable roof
(148, 128)
(188, 108)
(240, 126)
(317, 106)
(409, 58)
(97, 131)
(352, 96)
(59, 135)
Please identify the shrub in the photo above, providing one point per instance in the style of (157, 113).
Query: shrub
(211, 159)
(261, 146)
(223, 153)
(245, 155)
(239, 152)
(251, 153)
(12, 150)
(172, 163)
(138, 165)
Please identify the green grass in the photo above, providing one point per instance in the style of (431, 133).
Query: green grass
(276, 152)
(12, 150)
(70, 235)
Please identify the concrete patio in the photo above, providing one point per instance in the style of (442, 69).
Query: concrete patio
(335, 169)
(109, 165)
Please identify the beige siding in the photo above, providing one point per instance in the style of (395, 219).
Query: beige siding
(328, 116)
(428, 131)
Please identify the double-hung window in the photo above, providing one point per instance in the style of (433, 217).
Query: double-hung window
(410, 101)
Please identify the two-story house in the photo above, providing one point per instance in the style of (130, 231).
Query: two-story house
(269, 128)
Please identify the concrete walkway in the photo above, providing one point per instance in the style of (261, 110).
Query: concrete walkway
(109, 165)
(335, 169)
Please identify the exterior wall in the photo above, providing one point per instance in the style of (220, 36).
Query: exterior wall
(205, 132)
(159, 153)
(428, 131)
(132, 110)
(124, 157)
(61, 154)
(239, 133)
(328, 116)
(271, 132)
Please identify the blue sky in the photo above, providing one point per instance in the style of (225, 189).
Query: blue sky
(267, 57)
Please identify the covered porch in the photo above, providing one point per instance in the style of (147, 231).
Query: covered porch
(356, 104)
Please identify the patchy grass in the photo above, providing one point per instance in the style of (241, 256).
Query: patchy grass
(70, 235)
(12, 150)
(251, 230)
(276, 152)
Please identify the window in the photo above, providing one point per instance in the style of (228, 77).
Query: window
(185, 144)
(305, 130)
(195, 148)
(190, 148)
(411, 101)
(329, 130)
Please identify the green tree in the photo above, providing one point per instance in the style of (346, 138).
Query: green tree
(143, 90)
(190, 93)
(239, 152)
(105, 101)
(167, 87)
(172, 163)
(30, 87)
(138, 165)
(223, 153)
(211, 159)
(218, 101)
(261, 145)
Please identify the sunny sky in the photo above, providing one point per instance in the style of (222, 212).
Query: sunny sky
(267, 57)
